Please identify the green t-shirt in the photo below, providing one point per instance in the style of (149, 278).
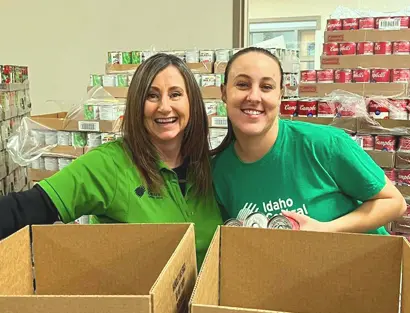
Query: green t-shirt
(106, 183)
(312, 169)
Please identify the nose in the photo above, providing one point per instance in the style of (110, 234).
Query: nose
(254, 94)
(164, 106)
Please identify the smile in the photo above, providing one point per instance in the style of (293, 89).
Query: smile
(252, 112)
(168, 120)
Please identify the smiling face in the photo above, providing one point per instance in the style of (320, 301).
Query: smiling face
(166, 108)
(253, 93)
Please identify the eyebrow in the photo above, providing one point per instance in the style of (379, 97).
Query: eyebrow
(171, 88)
(247, 76)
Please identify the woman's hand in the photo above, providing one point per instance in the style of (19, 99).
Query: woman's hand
(306, 222)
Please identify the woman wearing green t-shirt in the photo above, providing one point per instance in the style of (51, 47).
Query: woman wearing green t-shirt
(159, 173)
(315, 174)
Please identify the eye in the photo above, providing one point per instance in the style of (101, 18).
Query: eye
(242, 84)
(152, 96)
(176, 94)
(267, 87)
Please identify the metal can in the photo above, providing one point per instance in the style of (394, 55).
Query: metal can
(126, 57)
(50, 137)
(391, 174)
(63, 138)
(365, 48)
(283, 222)
(367, 141)
(404, 21)
(122, 80)
(108, 112)
(208, 80)
(403, 177)
(307, 107)
(222, 55)
(95, 80)
(63, 162)
(288, 107)
(39, 136)
(398, 109)
(219, 79)
(50, 164)
(334, 24)
(401, 47)
(382, 48)
(379, 108)
(233, 222)
(404, 144)
(107, 137)
(385, 143)
(366, 23)
(308, 76)
(325, 76)
(91, 111)
(256, 220)
(206, 56)
(192, 56)
(93, 139)
(400, 75)
(343, 76)
(361, 75)
(78, 139)
(346, 109)
(145, 55)
(109, 80)
(331, 48)
(115, 57)
(347, 48)
(350, 23)
(325, 108)
(380, 75)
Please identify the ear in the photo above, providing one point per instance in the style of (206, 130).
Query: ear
(223, 91)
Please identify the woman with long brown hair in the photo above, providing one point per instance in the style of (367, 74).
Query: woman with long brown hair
(158, 173)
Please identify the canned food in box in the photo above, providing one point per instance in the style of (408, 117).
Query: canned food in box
(180, 54)
(391, 174)
(39, 136)
(400, 75)
(404, 144)
(122, 80)
(110, 80)
(343, 76)
(401, 47)
(208, 80)
(115, 57)
(325, 76)
(385, 143)
(256, 220)
(380, 75)
(398, 109)
(367, 141)
(365, 48)
(63, 162)
(96, 80)
(78, 139)
(288, 107)
(382, 48)
(403, 177)
(222, 55)
(50, 137)
(145, 55)
(325, 108)
(63, 138)
(334, 24)
(366, 23)
(126, 58)
(361, 75)
(50, 164)
(35, 164)
(350, 23)
(346, 108)
(307, 107)
(283, 222)
(192, 56)
(91, 111)
(233, 222)
(136, 57)
(107, 137)
(308, 76)
(206, 55)
(347, 48)
(393, 22)
(93, 139)
(379, 108)
(330, 48)
(219, 79)
(108, 112)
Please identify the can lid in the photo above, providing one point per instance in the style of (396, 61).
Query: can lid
(256, 220)
(233, 222)
(279, 222)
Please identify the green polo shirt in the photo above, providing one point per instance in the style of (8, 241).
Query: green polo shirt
(105, 183)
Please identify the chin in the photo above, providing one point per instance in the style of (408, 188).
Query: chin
(170, 136)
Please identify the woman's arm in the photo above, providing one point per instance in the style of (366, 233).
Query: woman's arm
(20, 209)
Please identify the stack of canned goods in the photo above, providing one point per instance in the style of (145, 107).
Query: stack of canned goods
(103, 111)
(209, 80)
(13, 74)
(259, 220)
(110, 80)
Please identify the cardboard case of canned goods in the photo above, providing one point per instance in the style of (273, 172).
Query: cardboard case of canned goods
(98, 268)
(250, 269)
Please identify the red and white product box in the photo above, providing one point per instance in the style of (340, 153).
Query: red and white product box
(391, 174)
(361, 75)
(367, 141)
(403, 177)
(404, 144)
(365, 48)
(385, 143)
(350, 23)
(343, 76)
(325, 76)
(289, 107)
(382, 48)
(346, 109)
(380, 75)
(325, 108)
(398, 109)
(379, 109)
(401, 47)
(331, 48)
(309, 76)
(334, 24)
(404, 21)
(307, 107)
(347, 48)
(366, 23)
(400, 75)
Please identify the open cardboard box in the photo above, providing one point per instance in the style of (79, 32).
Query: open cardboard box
(125, 268)
(248, 269)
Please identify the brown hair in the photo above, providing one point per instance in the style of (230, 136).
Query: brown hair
(230, 137)
(194, 149)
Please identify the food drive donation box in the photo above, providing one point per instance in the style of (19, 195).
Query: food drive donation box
(122, 268)
(249, 269)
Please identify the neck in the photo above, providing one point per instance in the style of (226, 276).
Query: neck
(253, 148)
(170, 153)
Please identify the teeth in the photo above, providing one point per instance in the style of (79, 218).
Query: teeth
(252, 112)
(166, 120)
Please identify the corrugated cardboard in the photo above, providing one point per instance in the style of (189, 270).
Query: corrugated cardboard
(402, 160)
(249, 269)
(220, 67)
(384, 159)
(126, 268)
(365, 61)
(367, 35)
(202, 68)
(349, 124)
(37, 174)
(362, 89)
(367, 125)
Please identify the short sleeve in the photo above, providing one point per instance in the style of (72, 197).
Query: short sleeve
(354, 171)
(85, 187)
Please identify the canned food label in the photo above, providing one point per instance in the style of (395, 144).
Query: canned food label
(115, 57)
(219, 121)
(107, 137)
(126, 58)
(122, 80)
(96, 80)
(91, 112)
(110, 80)
(136, 57)
(88, 126)
(192, 56)
(390, 23)
(93, 139)
(210, 107)
(208, 80)
(206, 56)
(78, 139)
(223, 55)
(63, 138)
(219, 79)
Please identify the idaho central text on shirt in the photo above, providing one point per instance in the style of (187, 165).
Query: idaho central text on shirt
(272, 208)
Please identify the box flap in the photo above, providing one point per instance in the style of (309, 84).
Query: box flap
(405, 293)
(174, 286)
(110, 259)
(76, 304)
(221, 309)
(295, 271)
(206, 290)
(16, 272)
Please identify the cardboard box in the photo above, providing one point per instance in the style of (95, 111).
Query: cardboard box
(249, 269)
(220, 67)
(383, 158)
(38, 175)
(367, 35)
(216, 136)
(120, 68)
(349, 124)
(402, 160)
(365, 61)
(125, 268)
(368, 125)
(361, 89)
